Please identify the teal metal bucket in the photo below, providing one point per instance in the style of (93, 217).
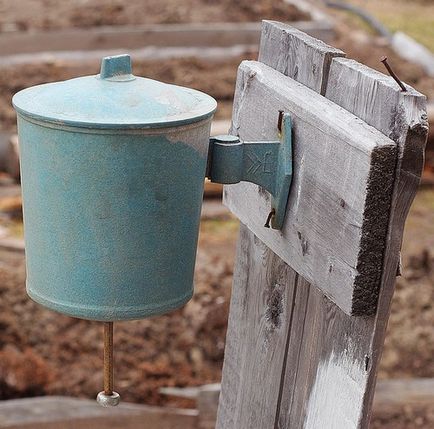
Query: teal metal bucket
(111, 209)
(111, 219)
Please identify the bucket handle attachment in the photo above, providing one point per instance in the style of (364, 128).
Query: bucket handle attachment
(265, 163)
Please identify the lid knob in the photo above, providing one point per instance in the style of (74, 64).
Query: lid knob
(116, 67)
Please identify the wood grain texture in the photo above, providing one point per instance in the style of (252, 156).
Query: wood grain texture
(261, 308)
(239, 349)
(402, 116)
(342, 366)
(343, 173)
(296, 54)
(330, 359)
(326, 356)
(325, 379)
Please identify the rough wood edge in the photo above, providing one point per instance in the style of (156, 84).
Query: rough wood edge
(409, 133)
(278, 37)
(374, 232)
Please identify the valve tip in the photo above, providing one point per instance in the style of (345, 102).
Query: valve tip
(108, 400)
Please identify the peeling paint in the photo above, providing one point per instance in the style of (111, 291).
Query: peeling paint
(195, 135)
(340, 379)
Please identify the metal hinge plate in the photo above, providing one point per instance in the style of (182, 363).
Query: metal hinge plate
(267, 164)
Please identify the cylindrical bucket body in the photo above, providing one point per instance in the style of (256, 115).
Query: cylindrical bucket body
(111, 217)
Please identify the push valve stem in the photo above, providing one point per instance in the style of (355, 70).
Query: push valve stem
(108, 397)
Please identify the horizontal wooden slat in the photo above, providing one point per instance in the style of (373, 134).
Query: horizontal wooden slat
(139, 36)
(343, 174)
(54, 412)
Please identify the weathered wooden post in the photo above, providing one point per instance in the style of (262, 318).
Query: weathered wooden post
(310, 303)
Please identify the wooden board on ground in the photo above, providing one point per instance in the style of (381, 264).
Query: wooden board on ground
(392, 396)
(54, 412)
(325, 374)
(139, 36)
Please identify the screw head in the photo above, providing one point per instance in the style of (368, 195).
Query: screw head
(108, 400)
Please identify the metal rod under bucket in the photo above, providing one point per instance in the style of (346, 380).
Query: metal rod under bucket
(108, 398)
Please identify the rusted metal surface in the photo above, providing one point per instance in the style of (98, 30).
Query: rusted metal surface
(108, 358)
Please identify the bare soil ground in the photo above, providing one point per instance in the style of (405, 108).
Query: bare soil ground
(216, 78)
(49, 14)
(407, 417)
(42, 352)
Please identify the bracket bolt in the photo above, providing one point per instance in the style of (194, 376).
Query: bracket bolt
(279, 121)
(270, 215)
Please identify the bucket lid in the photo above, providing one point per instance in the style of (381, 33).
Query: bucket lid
(115, 98)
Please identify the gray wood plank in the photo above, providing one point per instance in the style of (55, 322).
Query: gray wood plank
(54, 412)
(343, 173)
(403, 392)
(335, 386)
(138, 36)
(207, 400)
(325, 379)
(402, 116)
(296, 54)
(316, 351)
(261, 308)
(239, 349)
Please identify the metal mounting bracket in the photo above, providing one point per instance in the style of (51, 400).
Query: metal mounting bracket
(265, 163)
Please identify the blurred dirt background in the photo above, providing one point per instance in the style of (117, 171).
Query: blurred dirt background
(44, 353)
(49, 14)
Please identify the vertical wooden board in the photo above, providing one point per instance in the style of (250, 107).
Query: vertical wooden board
(296, 54)
(379, 101)
(328, 360)
(335, 386)
(261, 308)
(402, 116)
(295, 352)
